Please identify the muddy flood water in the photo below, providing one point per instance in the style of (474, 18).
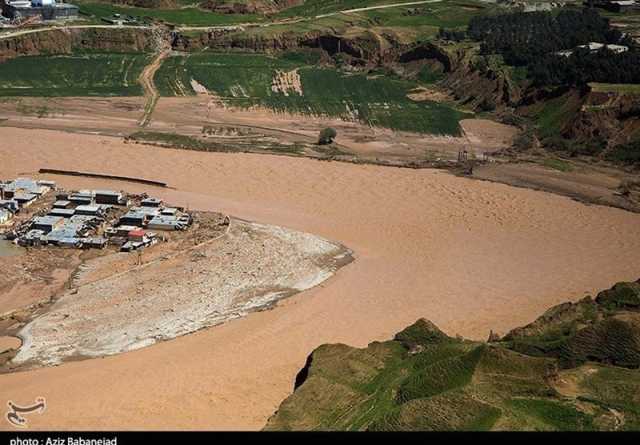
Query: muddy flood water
(7, 248)
(470, 256)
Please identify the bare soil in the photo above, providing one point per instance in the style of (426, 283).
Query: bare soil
(224, 276)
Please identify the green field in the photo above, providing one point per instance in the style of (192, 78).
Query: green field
(246, 80)
(94, 74)
(448, 13)
(190, 16)
(629, 88)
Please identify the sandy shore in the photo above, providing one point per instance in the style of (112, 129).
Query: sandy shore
(471, 256)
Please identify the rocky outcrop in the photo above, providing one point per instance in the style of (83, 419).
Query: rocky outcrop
(66, 41)
(234, 39)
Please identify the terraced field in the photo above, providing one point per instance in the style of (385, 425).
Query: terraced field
(95, 74)
(287, 84)
(573, 369)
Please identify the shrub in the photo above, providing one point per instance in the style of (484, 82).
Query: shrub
(327, 136)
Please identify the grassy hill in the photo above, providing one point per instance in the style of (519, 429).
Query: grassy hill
(576, 368)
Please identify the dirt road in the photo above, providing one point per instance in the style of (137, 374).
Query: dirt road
(151, 93)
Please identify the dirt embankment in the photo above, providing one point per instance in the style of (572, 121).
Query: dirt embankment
(612, 117)
(358, 47)
(65, 41)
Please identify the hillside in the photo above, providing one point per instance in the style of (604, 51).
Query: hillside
(575, 368)
(164, 4)
(249, 6)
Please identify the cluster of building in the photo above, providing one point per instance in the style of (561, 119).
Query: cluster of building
(88, 218)
(614, 5)
(20, 193)
(41, 9)
(531, 5)
(594, 47)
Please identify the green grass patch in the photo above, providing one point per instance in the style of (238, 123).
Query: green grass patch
(558, 164)
(428, 75)
(445, 14)
(558, 416)
(87, 74)
(183, 142)
(615, 88)
(553, 115)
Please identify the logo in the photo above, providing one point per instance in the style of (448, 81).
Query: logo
(16, 413)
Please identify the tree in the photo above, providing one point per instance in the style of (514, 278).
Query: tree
(327, 136)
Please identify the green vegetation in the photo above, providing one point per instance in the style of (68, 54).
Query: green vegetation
(88, 74)
(554, 115)
(619, 88)
(247, 80)
(190, 16)
(173, 140)
(426, 380)
(445, 14)
(428, 75)
(558, 164)
(626, 153)
(560, 416)
(327, 135)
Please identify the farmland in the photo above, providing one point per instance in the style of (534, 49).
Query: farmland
(248, 80)
(86, 74)
(185, 16)
(447, 13)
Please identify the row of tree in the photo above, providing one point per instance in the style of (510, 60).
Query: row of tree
(535, 39)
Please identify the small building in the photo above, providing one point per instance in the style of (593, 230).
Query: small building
(108, 197)
(61, 204)
(10, 204)
(133, 218)
(81, 198)
(42, 9)
(89, 210)
(169, 211)
(32, 238)
(613, 5)
(151, 202)
(149, 211)
(23, 186)
(167, 222)
(51, 184)
(123, 231)
(64, 213)
(25, 199)
(47, 224)
(5, 216)
(136, 235)
(94, 242)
